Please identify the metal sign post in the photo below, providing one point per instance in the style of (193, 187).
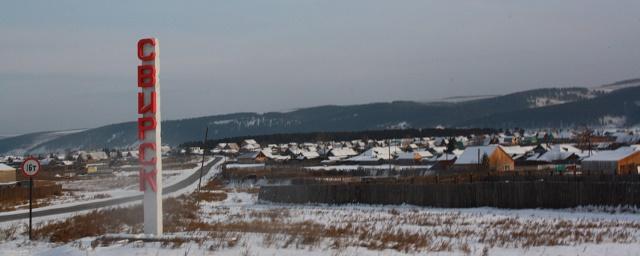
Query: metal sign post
(30, 167)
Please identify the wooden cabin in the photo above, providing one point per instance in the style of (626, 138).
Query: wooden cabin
(473, 159)
(624, 160)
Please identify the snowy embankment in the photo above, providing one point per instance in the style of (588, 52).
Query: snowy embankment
(214, 170)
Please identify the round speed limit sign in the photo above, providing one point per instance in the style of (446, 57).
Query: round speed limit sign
(30, 167)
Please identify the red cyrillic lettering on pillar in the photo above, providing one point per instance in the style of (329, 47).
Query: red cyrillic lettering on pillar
(148, 177)
(149, 57)
(141, 153)
(149, 108)
(145, 124)
(146, 76)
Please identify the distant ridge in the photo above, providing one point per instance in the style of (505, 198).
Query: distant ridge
(616, 104)
(455, 99)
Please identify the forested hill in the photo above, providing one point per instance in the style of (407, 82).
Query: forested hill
(615, 104)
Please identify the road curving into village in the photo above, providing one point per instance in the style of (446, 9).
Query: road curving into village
(111, 202)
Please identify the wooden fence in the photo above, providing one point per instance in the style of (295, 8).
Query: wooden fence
(10, 195)
(518, 193)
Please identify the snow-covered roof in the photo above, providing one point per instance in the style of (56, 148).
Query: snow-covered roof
(308, 155)
(443, 157)
(248, 155)
(406, 156)
(439, 150)
(4, 167)
(565, 134)
(343, 152)
(470, 155)
(45, 161)
(270, 155)
(250, 141)
(557, 153)
(516, 150)
(627, 138)
(612, 155)
(457, 152)
(423, 153)
(377, 153)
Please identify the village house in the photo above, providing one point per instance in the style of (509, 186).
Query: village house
(231, 148)
(623, 160)
(133, 154)
(473, 158)
(218, 148)
(341, 153)
(307, 155)
(250, 145)
(196, 150)
(252, 157)
(413, 157)
(274, 157)
(376, 155)
(556, 157)
(95, 156)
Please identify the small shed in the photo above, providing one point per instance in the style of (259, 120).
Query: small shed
(7, 174)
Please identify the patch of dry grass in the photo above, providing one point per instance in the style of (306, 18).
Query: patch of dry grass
(211, 196)
(402, 230)
(178, 213)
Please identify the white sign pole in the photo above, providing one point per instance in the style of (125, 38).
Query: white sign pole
(149, 132)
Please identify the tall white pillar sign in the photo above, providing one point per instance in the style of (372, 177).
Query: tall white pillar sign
(149, 134)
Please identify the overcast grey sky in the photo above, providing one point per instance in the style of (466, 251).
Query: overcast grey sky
(72, 64)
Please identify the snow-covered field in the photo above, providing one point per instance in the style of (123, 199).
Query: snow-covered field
(239, 225)
(367, 167)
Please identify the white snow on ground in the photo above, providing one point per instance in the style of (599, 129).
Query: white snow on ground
(213, 171)
(475, 229)
(240, 166)
(545, 101)
(367, 167)
(51, 249)
(117, 193)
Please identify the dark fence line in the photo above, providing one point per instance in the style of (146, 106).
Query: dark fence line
(18, 194)
(501, 194)
(430, 177)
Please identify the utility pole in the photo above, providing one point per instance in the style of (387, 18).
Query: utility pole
(204, 152)
(478, 160)
(389, 149)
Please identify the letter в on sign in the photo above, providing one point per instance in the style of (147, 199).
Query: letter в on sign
(146, 76)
